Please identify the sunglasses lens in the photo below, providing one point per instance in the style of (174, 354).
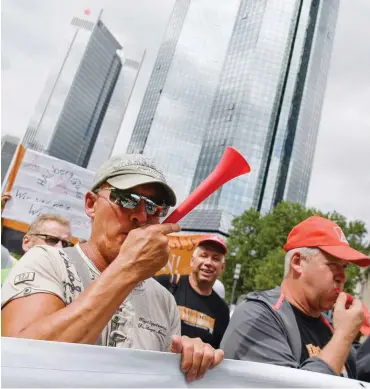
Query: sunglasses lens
(151, 208)
(50, 240)
(131, 200)
(164, 211)
(125, 200)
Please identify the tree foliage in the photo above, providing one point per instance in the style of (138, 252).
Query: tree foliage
(256, 241)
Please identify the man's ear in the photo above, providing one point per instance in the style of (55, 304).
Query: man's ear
(26, 243)
(90, 200)
(296, 264)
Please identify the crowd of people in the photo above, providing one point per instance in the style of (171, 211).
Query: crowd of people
(104, 291)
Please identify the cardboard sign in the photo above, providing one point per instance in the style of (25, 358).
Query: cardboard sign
(182, 247)
(45, 184)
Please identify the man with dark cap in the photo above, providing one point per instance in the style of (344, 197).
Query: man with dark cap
(101, 292)
(285, 326)
(203, 312)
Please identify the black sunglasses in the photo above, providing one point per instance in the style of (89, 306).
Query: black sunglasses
(53, 240)
(130, 200)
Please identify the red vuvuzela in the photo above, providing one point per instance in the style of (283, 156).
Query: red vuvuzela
(231, 165)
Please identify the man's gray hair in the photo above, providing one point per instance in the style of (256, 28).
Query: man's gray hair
(307, 252)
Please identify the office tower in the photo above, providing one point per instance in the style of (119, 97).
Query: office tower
(81, 109)
(131, 64)
(260, 91)
(9, 145)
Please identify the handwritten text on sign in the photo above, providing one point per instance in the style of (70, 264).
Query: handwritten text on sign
(45, 184)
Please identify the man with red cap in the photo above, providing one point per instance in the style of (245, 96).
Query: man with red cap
(285, 326)
(204, 314)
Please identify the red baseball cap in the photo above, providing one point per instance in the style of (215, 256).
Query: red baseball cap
(316, 231)
(215, 239)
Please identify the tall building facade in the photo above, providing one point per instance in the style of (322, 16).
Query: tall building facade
(261, 93)
(81, 109)
(9, 146)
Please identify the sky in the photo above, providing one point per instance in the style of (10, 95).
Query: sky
(33, 30)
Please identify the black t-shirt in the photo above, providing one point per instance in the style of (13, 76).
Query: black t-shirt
(205, 317)
(315, 335)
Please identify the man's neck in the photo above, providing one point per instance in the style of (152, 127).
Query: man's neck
(295, 295)
(201, 288)
(93, 253)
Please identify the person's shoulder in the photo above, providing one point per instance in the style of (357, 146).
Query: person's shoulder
(364, 349)
(40, 270)
(269, 295)
(50, 250)
(221, 303)
(254, 306)
(224, 305)
(153, 286)
(163, 279)
(39, 253)
(155, 290)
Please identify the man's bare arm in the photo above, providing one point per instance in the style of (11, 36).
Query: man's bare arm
(45, 317)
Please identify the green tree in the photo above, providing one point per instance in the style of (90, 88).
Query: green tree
(256, 241)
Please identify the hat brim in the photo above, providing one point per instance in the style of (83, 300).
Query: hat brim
(216, 242)
(128, 181)
(347, 253)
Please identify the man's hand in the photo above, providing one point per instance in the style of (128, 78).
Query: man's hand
(347, 322)
(197, 357)
(145, 250)
(4, 198)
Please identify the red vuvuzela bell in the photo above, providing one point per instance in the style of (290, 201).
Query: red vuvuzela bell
(231, 165)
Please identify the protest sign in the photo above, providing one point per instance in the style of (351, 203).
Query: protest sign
(44, 184)
(182, 247)
(32, 363)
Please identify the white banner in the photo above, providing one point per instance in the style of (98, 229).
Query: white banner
(31, 363)
(46, 184)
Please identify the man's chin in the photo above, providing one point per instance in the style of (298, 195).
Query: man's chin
(328, 306)
(207, 280)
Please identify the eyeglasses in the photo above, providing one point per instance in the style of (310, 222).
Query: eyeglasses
(53, 240)
(130, 200)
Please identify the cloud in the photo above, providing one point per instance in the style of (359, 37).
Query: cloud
(340, 178)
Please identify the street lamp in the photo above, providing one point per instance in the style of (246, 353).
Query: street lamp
(238, 267)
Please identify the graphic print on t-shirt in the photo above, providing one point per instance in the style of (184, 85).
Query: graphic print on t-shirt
(196, 319)
(315, 335)
(313, 351)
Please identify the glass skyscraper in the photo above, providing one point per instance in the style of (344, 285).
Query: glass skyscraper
(244, 73)
(9, 146)
(82, 107)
